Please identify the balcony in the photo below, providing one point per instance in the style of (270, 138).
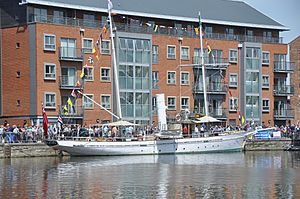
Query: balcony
(219, 113)
(212, 63)
(144, 28)
(70, 54)
(284, 67)
(71, 112)
(283, 114)
(68, 82)
(211, 88)
(283, 90)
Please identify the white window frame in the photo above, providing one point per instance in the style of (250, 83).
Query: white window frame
(105, 51)
(105, 78)
(169, 81)
(84, 102)
(188, 103)
(88, 76)
(54, 45)
(188, 53)
(53, 106)
(54, 74)
(169, 55)
(231, 83)
(262, 60)
(171, 106)
(155, 80)
(233, 107)
(183, 81)
(87, 49)
(233, 59)
(262, 81)
(262, 104)
(107, 106)
(155, 54)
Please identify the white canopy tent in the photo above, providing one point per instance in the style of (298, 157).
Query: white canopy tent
(206, 119)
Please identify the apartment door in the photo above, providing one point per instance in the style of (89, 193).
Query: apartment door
(68, 47)
(68, 76)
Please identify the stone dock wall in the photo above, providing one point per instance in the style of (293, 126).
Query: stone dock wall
(42, 150)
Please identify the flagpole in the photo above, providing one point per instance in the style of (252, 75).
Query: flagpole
(203, 67)
(99, 105)
(116, 76)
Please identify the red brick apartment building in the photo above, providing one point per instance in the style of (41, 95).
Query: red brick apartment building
(45, 44)
(295, 58)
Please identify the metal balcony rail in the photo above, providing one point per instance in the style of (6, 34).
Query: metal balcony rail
(144, 28)
(284, 113)
(70, 54)
(214, 112)
(68, 111)
(69, 82)
(283, 90)
(211, 62)
(284, 66)
(212, 88)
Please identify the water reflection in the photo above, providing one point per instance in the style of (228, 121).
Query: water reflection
(232, 175)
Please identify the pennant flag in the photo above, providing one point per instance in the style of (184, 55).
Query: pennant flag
(109, 5)
(65, 108)
(243, 120)
(70, 101)
(239, 115)
(83, 72)
(94, 52)
(45, 122)
(208, 49)
(197, 31)
(230, 93)
(78, 83)
(60, 121)
(66, 113)
(90, 59)
(104, 29)
(73, 93)
(155, 28)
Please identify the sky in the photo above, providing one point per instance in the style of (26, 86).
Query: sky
(286, 12)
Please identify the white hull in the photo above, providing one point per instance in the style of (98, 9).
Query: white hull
(172, 146)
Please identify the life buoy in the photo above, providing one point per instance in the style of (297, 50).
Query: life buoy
(178, 117)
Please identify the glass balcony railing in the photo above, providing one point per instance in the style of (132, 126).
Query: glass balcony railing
(144, 28)
(283, 66)
(281, 90)
(283, 114)
(220, 113)
(70, 54)
(212, 63)
(69, 82)
(68, 111)
(216, 88)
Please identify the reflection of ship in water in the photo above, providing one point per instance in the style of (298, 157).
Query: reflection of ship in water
(182, 159)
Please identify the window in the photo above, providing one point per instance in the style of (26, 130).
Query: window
(208, 31)
(155, 54)
(233, 55)
(49, 71)
(265, 105)
(171, 103)
(233, 80)
(40, 15)
(59, 17)
(185, 76)
(229, 33)
(184, 53)
(154, 104)
(171, 52)
(50, 100)
(87, 45)
(89, 73)
(105, 74)
(171, 77)
(233, 104)
(105, 47)
(265, 81)
(155, 80)
(49, 42)
(185, 103)
(87, 103)
(265, 58)
(105, 101)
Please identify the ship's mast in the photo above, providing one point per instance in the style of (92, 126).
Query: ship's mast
(115, 68)
(203, 67)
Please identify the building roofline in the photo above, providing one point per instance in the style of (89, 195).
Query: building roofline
(142, 14)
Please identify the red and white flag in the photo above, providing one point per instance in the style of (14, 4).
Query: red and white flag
(45, 122)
